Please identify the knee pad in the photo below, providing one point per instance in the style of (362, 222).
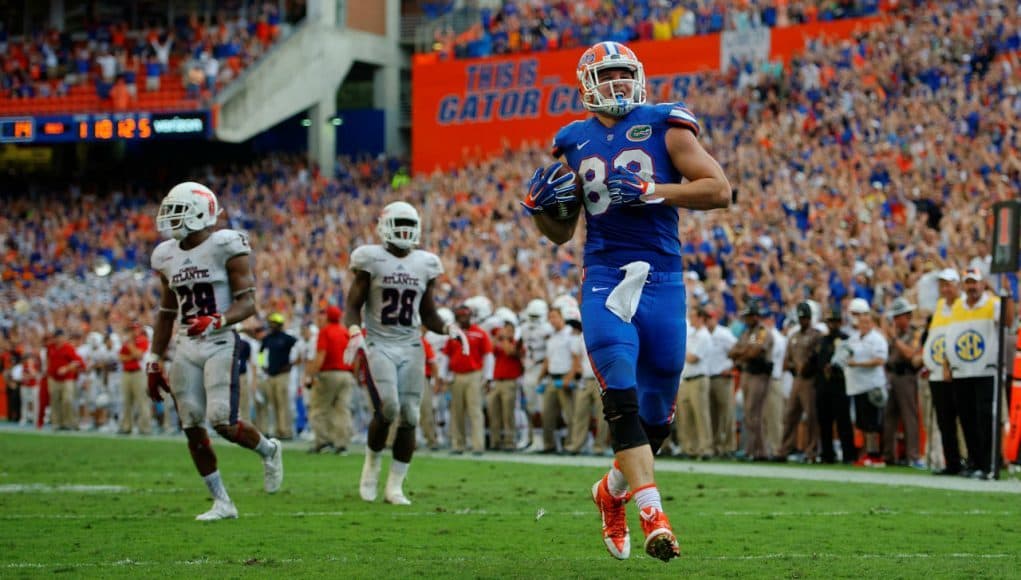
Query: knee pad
(620, 408)
(657, 434)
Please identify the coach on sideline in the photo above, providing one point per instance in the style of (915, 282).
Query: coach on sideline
(331, 382)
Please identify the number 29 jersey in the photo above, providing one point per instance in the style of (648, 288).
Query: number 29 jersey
(199, 276)
(618, 235)
(395, 292)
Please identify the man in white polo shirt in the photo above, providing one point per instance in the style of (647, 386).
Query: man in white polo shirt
(866, 354)
(694, 425)
(721, 385)
(558, 382)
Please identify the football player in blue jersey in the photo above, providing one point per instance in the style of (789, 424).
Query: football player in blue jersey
(638, 163)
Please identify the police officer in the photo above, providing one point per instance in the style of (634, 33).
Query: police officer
(802, 360)
(831, 402)
(905, 345)
(752, 353)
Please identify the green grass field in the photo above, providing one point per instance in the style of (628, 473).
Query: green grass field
(82, 506)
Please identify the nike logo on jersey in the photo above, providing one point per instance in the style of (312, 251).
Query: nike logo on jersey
(600, 288)
(582, 144)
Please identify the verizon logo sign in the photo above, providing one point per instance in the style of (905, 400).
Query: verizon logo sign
(179, 125)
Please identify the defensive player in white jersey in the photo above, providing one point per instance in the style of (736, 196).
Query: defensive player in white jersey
(208, 286)
(535, 331)
(394, 284)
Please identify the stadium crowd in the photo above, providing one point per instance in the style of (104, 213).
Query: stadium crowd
(526, 26)
(865, 172)
(200, 53)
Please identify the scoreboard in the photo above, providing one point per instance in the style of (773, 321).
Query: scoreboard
(135, 126)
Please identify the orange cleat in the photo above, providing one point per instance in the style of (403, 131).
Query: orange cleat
(612, 509)
(660, 541)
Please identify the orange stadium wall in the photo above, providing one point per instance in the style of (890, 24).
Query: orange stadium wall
(464, 110)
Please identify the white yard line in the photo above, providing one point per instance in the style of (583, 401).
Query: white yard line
(815, 473)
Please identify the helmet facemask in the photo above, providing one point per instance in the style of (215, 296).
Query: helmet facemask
(188, 208)
(616, 105)
(399, 226)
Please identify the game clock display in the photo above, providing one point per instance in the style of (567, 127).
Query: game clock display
(105, 127)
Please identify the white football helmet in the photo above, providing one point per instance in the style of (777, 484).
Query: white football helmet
(607, 56)
(399, 225)
(565, 301)
(189, 207)
(446, 315)
(571, 313)
(481, 307)
(94, 340)
(506, 315)
(537, 310)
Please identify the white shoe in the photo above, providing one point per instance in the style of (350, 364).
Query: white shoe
(537, 446)
(396, 497)
(273, 468)
(222, 510)
(368, 487)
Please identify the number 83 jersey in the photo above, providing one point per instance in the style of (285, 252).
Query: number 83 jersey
(199, 276)
(618, 235)
(395, 292)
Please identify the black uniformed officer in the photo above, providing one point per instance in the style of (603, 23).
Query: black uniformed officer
(832, 404)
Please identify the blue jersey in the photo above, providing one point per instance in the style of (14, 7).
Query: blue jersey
(619, 235)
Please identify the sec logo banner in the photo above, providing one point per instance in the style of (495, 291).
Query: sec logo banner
(938, 350)
(970, 346)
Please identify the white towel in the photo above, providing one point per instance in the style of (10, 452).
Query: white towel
(623, 300)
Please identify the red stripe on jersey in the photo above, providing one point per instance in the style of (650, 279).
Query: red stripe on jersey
(693, 127)
(595, 371)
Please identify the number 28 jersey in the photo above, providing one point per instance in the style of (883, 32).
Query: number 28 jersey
(199, 276)
(395, 292)
(618, 235)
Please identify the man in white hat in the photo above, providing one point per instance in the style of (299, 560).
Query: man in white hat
(936, 365)
(866, 381)
(902, 374)
(972, 340)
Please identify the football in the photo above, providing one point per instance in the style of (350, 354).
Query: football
(568, 210)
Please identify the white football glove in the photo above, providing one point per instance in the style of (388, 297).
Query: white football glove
(454, 331)
(354, 344)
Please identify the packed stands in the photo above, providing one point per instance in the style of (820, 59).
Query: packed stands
(111, 68)
(526, 26)
(837, 160)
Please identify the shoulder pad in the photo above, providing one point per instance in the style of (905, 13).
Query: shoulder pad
(160, 254)
(566, 137)
(678, 115)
